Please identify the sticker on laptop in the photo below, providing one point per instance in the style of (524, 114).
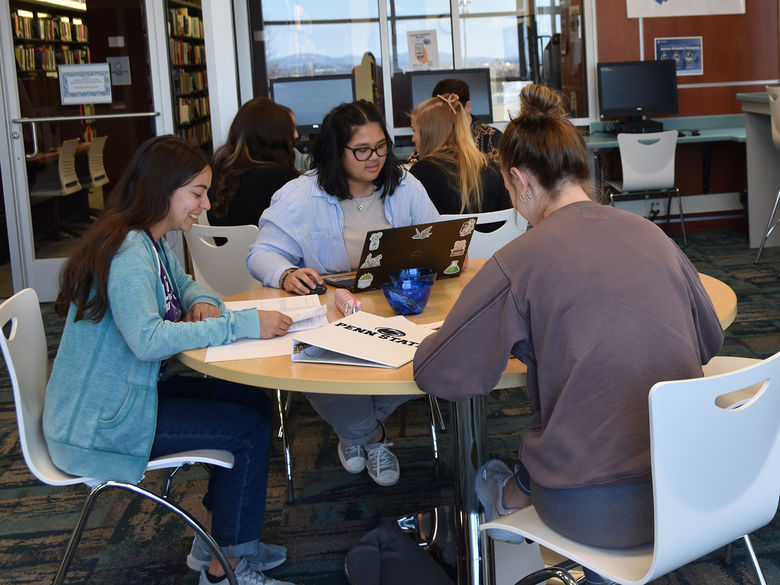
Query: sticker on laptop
(421, 235)
(453, 268)
(458, 248)
(365, 280)
(467, 227)
(372, 261)
(374, 241)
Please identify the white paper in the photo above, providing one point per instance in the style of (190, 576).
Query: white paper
(305, 311)
(361, 339)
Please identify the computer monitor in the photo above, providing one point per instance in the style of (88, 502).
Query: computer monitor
(311, 98)
(421, 84)
(633, 89)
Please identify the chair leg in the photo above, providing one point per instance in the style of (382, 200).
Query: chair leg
(285, 443)
(682, 217)
(86, 509)
(753, 558)
(433, 408)
(542, 575)
(769, 227)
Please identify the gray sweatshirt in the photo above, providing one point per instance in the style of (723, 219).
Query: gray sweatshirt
(600, 305)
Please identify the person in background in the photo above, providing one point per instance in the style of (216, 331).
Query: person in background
(110, 405)
(316, 225)
(485, 137)
(457, 176)
(258, 158)
(584, 268)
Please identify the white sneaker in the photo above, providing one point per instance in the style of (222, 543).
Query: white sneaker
(382, 465)
(353, 458)
(245, 575)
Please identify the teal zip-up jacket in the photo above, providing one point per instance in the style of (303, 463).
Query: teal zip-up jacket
(101, 400)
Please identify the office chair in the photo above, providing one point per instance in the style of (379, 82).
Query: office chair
(65, 181)
(647, 161)
(23, 343)
(95, 173)
(485, 244)
(773, 93)
(702, 500)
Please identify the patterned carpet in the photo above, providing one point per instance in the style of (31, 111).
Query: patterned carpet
(129, 541)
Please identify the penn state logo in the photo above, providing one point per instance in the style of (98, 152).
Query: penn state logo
(390, 331)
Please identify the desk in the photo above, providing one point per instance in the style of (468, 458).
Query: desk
(468, 417)
(727, 128)
(763, 167)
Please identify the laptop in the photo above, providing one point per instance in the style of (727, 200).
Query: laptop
(439, 245)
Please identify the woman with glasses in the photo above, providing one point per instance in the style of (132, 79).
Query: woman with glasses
(316, 225)
(457, 176)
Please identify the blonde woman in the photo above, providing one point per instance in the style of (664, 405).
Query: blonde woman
(457, 176)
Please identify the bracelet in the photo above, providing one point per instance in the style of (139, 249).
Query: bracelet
(287, 273)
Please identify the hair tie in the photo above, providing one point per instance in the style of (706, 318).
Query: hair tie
(449, 100)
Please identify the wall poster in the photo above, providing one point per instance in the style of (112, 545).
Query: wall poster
(686, 52)
(656, 8)
(423, 49)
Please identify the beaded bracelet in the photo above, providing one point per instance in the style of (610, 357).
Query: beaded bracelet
(287, 273)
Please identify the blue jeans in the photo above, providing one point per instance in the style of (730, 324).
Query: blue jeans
(206, 413)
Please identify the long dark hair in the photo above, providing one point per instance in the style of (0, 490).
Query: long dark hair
(262, 132)
(141, 198)
(328, 149)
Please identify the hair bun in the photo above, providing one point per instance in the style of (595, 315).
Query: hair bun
(539, 103)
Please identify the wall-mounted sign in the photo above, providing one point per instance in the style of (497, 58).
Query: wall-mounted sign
(87, 83)
(656, 8)
(686, 52)
(120, 70)
(423, 49)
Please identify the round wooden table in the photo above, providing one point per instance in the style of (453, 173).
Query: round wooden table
(467, 423)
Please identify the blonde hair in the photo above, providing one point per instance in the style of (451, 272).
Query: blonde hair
(444, 136)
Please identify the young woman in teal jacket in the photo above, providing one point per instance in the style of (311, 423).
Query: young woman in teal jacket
(110, 406)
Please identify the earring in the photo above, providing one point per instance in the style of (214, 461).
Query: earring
(524, 197)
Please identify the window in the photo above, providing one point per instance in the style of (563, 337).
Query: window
(520, 41)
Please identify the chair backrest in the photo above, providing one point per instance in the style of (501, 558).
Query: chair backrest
(773, 93)
(716, 470)
(647, 160)
(97, 172)
(23, 343)
(484, 245)
(66, 167)
(222, 269)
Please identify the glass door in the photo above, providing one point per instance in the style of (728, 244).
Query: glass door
(84, 83)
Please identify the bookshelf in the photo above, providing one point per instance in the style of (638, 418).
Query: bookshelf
(192, 113)
(46, 36)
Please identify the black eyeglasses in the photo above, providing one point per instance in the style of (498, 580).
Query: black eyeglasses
(363, 153)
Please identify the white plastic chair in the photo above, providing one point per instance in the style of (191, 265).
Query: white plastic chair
(66, 180)
(23, 343)
(96, 172)
(647, 161)
(485, 244)
(222, 269)
(703, 498)
(773, 93)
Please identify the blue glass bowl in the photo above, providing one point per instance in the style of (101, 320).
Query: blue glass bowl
(413, 274)
(407, 297)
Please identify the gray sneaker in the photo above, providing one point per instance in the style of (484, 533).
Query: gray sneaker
(489, 485)
(267, 557)
(353, 458)
(245, 575)
(382, 465)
